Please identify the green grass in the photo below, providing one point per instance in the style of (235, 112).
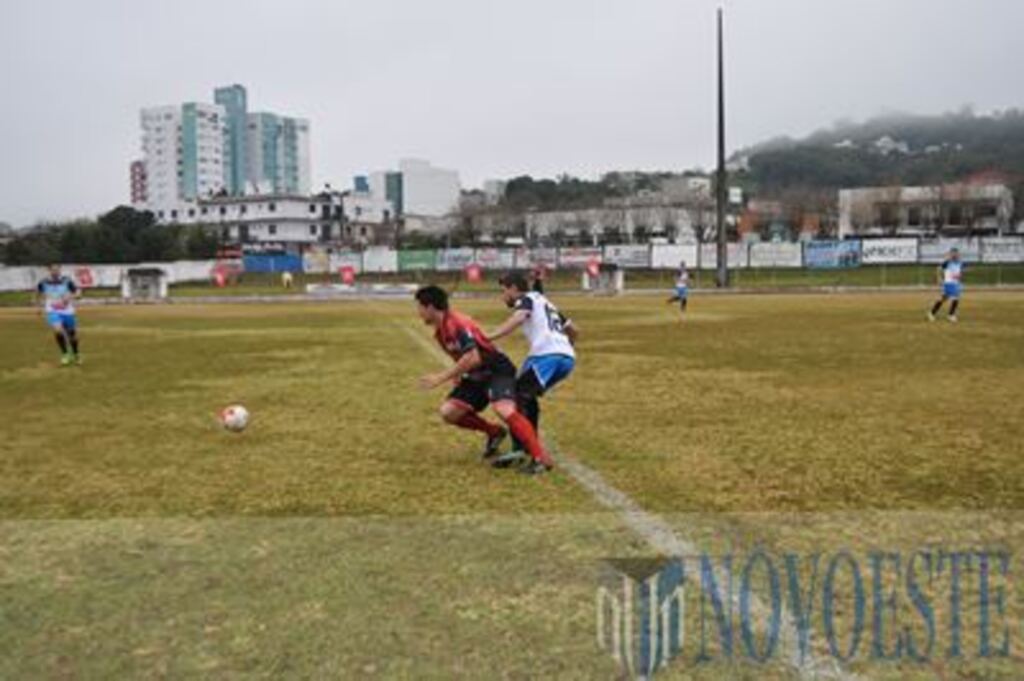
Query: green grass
(348, 533)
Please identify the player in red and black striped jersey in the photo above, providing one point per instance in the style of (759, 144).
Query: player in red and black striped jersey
(485, 376)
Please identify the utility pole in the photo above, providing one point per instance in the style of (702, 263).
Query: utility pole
(721, 191)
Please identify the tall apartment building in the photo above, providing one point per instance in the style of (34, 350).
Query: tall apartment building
(197, 150)
(233, 99)
(184, 153)
(278, 154)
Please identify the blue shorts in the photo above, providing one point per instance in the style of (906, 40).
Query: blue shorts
(951, 290)
(682, 291)
(549, 369)
(63, 319)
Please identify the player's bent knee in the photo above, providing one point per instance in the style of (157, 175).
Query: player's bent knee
(504, 408)
(452, 412)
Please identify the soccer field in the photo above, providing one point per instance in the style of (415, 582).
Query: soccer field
(349, 533)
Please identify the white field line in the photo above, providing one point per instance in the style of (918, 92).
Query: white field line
(663, 539)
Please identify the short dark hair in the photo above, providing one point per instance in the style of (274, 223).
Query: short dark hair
(515, 280)
(433, 296)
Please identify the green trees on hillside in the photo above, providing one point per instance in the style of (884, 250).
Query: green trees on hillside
(121, 236)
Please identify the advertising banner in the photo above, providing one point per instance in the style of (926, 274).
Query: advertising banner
(454, 259)
(832, 254)
(735, 252)
(669, 256)
(1002, 249)
(772, 254)
(350, 259)
(316, 260)
(380, 260)
(411, 261)
(936, 250)
(496, 258)
(578, 256)
(879, 251)
(530, 258)
(629, 256)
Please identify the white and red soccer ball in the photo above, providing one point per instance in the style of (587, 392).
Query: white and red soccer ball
(234, 418)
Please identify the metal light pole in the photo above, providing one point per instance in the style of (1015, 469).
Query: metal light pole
(721, 190)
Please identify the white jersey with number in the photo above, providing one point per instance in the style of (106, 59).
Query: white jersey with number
(544, 327)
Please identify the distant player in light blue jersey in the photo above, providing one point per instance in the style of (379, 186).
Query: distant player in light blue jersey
(682, 291)
(950, 278)
(56, 294)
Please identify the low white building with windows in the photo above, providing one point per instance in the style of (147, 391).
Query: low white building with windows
(268, 218)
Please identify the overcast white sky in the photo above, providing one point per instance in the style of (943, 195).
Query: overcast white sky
(494, 89)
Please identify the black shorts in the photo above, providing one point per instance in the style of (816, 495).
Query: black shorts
(478, 393)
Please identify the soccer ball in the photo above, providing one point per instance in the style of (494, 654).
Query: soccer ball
(234, 418)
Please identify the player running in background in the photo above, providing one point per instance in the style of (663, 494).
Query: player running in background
(537, 276)
(949, 275)
(551, 357)
(682, 288)
(484, 374)
(56, 294)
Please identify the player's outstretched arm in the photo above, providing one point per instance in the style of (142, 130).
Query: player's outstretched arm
(469, 361)
(511, 324)
(570, 329)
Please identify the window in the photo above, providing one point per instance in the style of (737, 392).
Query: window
(359, 211)
(362, 231)
(202, 210)
(271, 229)
(312, 208)
(271, 206)
(191, 212)
(160, 214)
(223, 210)
(312, 230)
(174, 214)
(241, 210)
(914, 217)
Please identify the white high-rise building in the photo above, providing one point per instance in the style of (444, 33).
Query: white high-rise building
(183, 149)
(196, 150)
(277, 154)
(427, 190)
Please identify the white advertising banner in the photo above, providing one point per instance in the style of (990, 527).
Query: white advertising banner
(578, 256)
(736, 254)
(454, 259)
(936, 250)
(380, 260)
(629, 256)
(347, 259)
(1002, 249)
(527, 258)
(495, 258)
(771, 254)
(103, 276)
(884, 251)
(670, 256)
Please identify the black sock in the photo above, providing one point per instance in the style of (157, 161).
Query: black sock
(73, 337)
(62, 342)
(953, 306)
(937, 306)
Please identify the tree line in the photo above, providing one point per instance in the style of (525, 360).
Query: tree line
(123, 235)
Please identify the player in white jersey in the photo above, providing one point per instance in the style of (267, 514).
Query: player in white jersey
(551, 358)
(56, 293)
(950, 274)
